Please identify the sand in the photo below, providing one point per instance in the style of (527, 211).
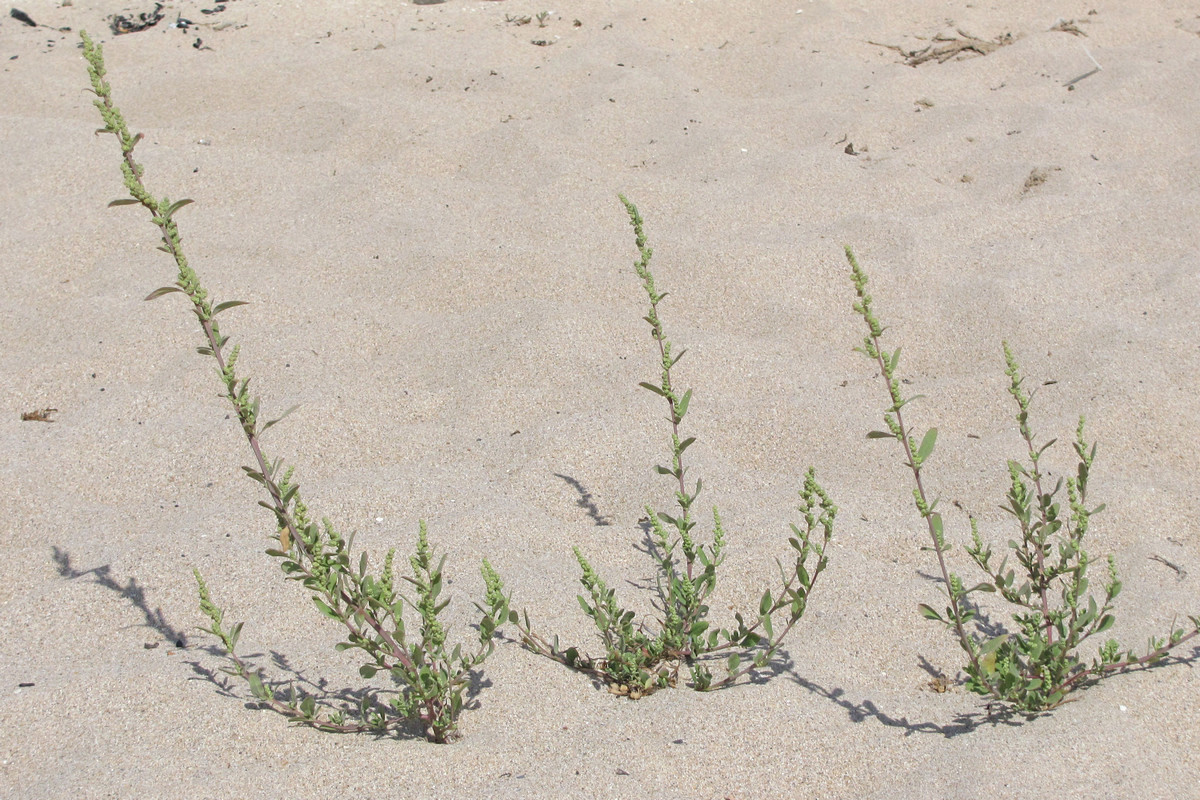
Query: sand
(420, 204)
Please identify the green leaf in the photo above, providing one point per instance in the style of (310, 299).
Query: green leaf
(234, 633)
(907, 401)
(1106, 622)
(881, 435)
(929, 613)
(734, 661)
(280, 418)
(325, 609)
(682, 406)
(991, 645)
(656, 389)
(368, 670)
(178, 204)
(164, 290)
(257, 688)
(686, 443)
(926, 447)
(124, 201)
(219, 307)
(764, 605)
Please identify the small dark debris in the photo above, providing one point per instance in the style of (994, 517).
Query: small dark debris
(26, 684)
(1037, 177)
(215, 10)
(678, 741)
(122, 24)
(149, 645)
(1069, 26)
(850, 151)
(21, 16)
(621, 772)
(940, 684)
(38, 415)
(1180, 572)
(541, 42)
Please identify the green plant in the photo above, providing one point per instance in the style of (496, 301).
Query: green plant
(637, 661)
(433, 678)
(1037, 665)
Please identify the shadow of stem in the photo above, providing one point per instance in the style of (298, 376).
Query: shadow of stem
(295, 685)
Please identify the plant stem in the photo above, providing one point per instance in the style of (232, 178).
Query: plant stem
(873, 348)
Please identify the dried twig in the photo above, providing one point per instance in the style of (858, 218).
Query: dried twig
(950, 47)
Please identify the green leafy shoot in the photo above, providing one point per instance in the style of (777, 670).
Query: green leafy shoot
(639, 658)
(1037, 664)
(433, 676)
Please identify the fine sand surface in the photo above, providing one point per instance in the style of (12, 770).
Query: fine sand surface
(421, 205)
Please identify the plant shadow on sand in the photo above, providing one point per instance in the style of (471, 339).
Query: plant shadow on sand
(964, 722)
(586, 501)
(294, 686)
(992, 714)
(134, 594)
(297, 686)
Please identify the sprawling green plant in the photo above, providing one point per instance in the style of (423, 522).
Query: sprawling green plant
(433, 678)
(636, 660)
(1036, 665)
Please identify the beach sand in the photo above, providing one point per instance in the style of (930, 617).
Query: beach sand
(420, 205)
